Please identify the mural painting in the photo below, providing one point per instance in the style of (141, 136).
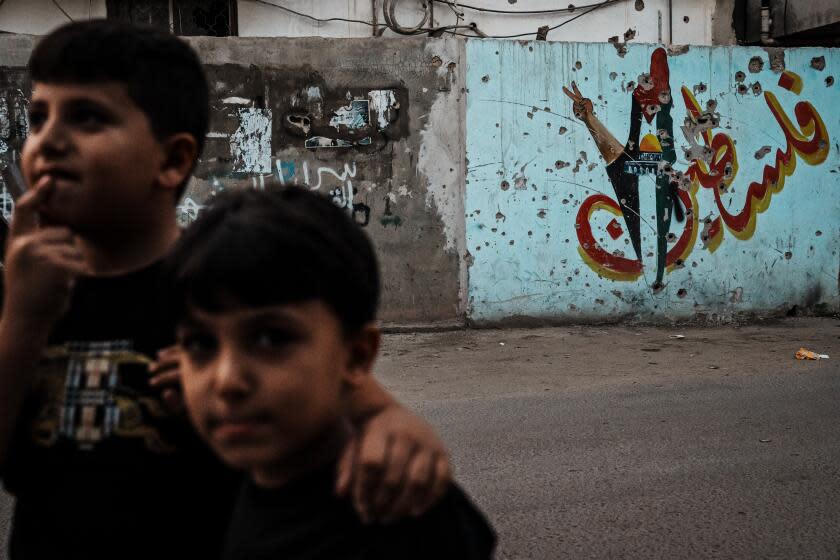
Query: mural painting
(712, 165)
(643, 228)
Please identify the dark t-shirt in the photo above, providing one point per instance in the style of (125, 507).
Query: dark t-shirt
(306, 521)
(99, 466)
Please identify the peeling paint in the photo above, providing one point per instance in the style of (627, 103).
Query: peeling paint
(384, 104)
(250, 145)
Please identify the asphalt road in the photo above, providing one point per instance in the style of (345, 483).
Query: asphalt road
(622, 442)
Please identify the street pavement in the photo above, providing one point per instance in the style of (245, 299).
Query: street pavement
(632, 442)
(622, 442)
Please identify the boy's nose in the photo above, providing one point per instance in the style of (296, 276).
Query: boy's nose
(232, 379)
(53, 139)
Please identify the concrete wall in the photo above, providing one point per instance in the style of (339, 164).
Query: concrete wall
(489, 198)
(746, 142)
(374, 123)
(647, 20)
(39, 17)
(691, 21)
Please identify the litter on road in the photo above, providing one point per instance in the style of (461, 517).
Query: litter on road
(803, 354)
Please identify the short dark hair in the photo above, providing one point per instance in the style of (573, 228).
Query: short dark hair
(254, 248)
(162, 73)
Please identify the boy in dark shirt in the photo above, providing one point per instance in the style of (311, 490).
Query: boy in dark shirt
(100, 466)
(275, 296)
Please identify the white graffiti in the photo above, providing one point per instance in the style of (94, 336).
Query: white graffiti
(188, 211)
(344, 176)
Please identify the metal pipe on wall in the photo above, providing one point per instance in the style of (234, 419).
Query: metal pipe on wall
(670, 22)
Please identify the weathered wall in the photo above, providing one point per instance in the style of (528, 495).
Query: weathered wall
(726, 200)
(646, 20)
(374, 123)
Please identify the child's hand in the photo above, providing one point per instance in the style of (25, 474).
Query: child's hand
(395, 467)
(166, 375)
(41, 263)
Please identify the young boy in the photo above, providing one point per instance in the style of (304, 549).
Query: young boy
(275, 296)
(100, 466)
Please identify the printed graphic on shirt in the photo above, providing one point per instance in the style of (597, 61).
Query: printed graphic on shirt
(90, 392)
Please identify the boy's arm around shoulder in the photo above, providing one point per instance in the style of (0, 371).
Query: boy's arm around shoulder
(396, 465)
(40, 265)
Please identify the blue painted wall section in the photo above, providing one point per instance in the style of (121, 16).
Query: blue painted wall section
(603, 183)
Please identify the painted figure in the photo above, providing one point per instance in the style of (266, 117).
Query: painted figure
(653, 155)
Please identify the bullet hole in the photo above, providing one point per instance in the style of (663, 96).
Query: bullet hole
(560, 164)
(711, 105)
(530, 115)
(565, 201)
(478, 247)
(562, 130)
(497, 125)
(620, 48)
(788, 255)
(599, 301)
(548, 125)
(631, 85)
(503, 234)
(685, 19)
(694, 264)
(740, 76)
(500, 216)
(818, 63)
(541, 214)
(700, 88)
(485, 79)
(629, 35)
(578, 65)
(437, 61)
(671, 237)
(545, 197)
(819, 233)
(762, 152)
(756, 64)
(530, 233)
(679, 263)
(682, 293)
(505, 185)
(510, 242)
(742, 89)
(613, 76)
(640, 5)
(756, 88)
(829, 81)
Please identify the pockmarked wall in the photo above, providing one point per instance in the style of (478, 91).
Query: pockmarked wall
(606, 180)
(375, 124)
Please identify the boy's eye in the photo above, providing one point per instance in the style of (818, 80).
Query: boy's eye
(197, 345)
(37, 118)
(273, 339)
(89, 118)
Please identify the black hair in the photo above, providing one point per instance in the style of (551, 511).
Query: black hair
(162, 73)
(254, 248)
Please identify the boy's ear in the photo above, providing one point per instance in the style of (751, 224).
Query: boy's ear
(363, 349)
(180, 153)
